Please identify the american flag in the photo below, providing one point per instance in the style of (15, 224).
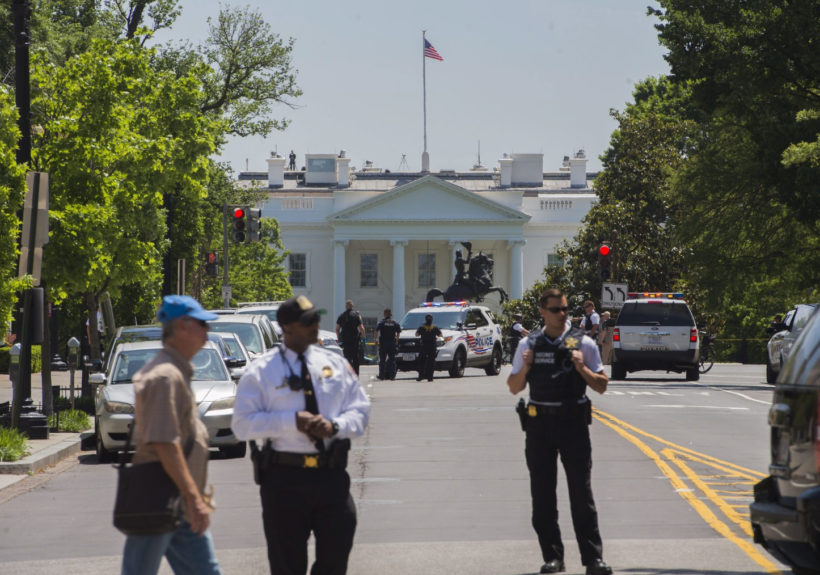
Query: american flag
(430, 52)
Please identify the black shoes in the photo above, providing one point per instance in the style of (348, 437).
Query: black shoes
(598, 567)
(553, 566)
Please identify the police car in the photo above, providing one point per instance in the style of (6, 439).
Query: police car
(655, 330)
(471, 337)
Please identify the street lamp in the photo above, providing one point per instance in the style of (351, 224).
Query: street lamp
(73, 356)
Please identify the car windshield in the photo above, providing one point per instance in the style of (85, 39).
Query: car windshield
(270, 313)
(660, 313)
(208, 366)
(234, 347)
(130, 362)
(247, 332)
(442, 319)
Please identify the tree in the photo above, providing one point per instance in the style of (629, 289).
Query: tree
(12, 193)
(115, 135)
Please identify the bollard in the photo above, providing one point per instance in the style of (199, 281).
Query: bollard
(73, 356)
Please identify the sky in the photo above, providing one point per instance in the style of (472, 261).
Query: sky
(519, 76)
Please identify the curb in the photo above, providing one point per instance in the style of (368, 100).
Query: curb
(45, 457)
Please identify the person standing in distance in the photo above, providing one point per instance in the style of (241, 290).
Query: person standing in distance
(387, 336)
(350, 332)
(517, 331)
(427, 357)
(558, 363)
(592, 321)
(304, 403)
(169, 430)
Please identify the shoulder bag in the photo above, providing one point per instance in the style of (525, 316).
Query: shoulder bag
(148, 501)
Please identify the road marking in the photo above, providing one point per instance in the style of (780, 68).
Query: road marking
(678, 406)
(676, 454)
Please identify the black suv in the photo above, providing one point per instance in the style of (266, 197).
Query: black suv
(785, 514)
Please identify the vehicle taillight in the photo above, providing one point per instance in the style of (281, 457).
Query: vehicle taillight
(693, 334)
(616, 334)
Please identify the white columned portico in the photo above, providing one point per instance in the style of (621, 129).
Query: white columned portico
(398, 277)
(339, 282)
(516, 268)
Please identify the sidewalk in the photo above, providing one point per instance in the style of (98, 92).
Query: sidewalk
(42, 452)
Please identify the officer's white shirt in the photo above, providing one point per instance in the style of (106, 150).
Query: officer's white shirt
(517, 327)
(592, 357)
(265, 407)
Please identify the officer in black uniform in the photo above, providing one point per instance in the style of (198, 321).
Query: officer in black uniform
(517, 331)
(350, 332)
(387, 335)
(558, 363)
(427, 358)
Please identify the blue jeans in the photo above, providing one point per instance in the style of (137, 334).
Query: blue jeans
(187, 553)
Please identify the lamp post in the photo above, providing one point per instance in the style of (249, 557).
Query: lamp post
(73, 356)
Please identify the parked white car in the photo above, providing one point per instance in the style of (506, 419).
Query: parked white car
(212, 385)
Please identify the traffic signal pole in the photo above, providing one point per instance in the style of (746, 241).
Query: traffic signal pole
(226, 286)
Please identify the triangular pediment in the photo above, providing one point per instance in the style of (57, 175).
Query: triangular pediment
(429, 199)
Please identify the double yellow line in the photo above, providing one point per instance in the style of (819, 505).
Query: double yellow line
(677, 455)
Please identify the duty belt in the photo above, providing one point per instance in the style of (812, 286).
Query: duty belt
(303, 460)
(536, 409)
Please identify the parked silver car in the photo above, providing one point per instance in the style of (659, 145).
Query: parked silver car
(255, 331)
(784, 334)
(212, 385)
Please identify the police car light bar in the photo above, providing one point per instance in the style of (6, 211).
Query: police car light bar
(442, 303)
(645, 294)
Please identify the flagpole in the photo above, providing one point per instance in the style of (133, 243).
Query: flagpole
(425, 158)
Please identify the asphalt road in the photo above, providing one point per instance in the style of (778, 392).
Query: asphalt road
(441, 485)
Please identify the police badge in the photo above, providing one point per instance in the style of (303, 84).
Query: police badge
(571, 343)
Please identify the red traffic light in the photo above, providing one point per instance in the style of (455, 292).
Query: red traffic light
(239, 213)
(211, 257)
(604, 250)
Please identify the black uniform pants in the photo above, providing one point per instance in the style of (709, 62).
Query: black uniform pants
(387, 361)
(567, 435)
(427, 363)
(350, 349)
(296, 501)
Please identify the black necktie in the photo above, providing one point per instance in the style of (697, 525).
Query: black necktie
(310, 396)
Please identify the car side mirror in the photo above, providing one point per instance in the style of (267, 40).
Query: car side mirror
(459, 325)
(236, 373)
(96, 379)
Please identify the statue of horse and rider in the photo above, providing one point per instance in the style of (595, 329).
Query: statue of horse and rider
(474, 278)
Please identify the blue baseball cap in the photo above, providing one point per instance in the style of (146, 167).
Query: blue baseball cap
(174, 306)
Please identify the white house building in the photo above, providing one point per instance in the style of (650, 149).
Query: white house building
(385, 239)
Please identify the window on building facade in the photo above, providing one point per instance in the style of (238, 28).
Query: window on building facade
(370, 269)
(554, 260)
(298, 269)
(427, 270)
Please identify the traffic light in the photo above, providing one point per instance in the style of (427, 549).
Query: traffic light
(254, 225)
(238, 225)
(604, 254)
(212, 264)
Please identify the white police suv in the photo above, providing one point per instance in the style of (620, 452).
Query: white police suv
(655, 330)
(471, 337)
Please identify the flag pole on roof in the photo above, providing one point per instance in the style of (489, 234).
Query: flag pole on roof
(427, 52)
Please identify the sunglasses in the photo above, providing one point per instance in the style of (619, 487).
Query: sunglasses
(557, 309)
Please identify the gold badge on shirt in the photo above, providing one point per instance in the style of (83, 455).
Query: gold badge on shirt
(571, 343)
(327, 372)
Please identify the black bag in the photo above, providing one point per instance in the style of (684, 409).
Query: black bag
(148, 501)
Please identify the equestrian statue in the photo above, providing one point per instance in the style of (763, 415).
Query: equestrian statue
(474, 278)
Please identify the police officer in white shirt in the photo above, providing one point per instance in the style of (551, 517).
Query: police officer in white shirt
(302, 403)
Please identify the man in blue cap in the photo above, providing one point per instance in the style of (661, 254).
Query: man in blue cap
(169, 430)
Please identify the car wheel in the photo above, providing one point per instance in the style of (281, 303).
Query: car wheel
(692, 374)
(103, 455)
(771, 374)
(618, 371)
(494, 368)
(235, 451)
(459, 362)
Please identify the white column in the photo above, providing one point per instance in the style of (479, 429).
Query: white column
(339, 286)
(516, 268)
(398, 277)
